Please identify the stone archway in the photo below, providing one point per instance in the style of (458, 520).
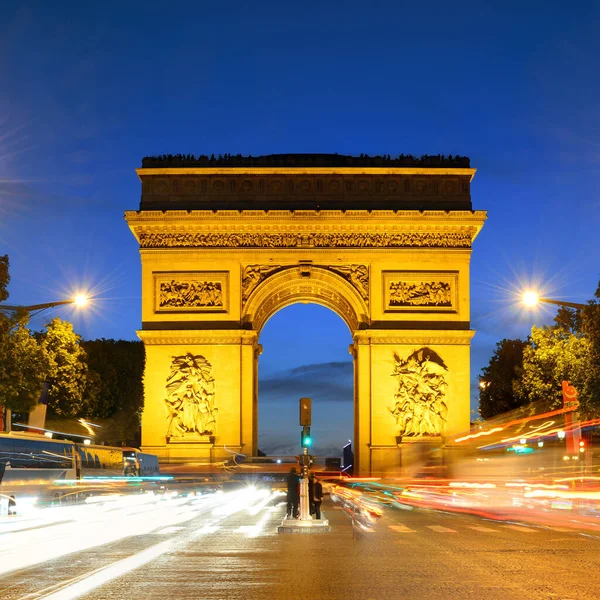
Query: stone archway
(224, 247)
(276, 286)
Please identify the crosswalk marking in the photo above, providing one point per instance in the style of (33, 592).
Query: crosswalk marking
(441, 529)
(484, 529)
(520, 528)
(401, 529)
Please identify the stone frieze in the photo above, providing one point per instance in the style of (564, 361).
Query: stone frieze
(413, 239)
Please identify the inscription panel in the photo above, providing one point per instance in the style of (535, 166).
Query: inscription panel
(420, 291)
(191, 291)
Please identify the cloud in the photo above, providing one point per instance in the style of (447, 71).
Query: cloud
(331, 381)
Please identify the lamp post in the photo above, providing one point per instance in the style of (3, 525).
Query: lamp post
(79, 300)
(531, 299)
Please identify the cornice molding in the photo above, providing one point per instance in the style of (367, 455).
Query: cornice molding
(413, 338)
(190, 338)
(143, 172)
(187, 216)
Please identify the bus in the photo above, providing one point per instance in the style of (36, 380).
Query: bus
(32, 461)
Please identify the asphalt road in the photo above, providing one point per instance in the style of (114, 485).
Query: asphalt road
(227, 547)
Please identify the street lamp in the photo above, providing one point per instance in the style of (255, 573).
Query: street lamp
(531, 299)
(79, 300)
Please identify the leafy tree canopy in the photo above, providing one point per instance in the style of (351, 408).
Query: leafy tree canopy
(68, 370)
(554, 355)
(119, 367)
(23, 369)
(4, 277)
(23, 365)
(497, 380)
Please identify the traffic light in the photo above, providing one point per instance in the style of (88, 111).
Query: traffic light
(305, 409)
(306, 440)
(581, 446)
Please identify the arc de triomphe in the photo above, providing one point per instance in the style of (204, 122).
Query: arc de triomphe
(226, 243)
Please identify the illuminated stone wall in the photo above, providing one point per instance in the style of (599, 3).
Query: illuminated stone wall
(212, 278)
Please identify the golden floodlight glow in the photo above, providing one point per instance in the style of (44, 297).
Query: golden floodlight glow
(530, 298)
(80, 300)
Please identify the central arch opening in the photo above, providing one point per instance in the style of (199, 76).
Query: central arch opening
(305, 354)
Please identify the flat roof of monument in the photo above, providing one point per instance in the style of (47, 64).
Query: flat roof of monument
(238, 161)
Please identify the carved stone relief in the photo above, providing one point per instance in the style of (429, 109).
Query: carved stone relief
(357, 275)
(192, 291)
(413, 239)
(180, 294)
(252, 275)
(422, 293)
(190, 398)
(420, 407)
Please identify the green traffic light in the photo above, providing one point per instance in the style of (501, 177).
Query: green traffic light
(307, 441)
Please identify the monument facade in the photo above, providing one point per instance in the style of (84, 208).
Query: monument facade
(226, 243)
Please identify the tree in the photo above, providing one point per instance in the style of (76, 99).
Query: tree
(23, 366)
(555, 354)
(68, 370)
(497, 394)
(589, 389)
(4, 278)
(117, 367)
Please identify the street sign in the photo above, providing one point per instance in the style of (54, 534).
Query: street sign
(570, 396)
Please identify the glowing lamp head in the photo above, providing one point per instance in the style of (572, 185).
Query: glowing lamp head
(530, 298)
(80, 300)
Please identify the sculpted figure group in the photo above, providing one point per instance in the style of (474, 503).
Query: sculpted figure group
(423, 293)
(190, 397)
(190, 293)
(420, 408)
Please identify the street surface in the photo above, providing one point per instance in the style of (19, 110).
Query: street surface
(225, 546)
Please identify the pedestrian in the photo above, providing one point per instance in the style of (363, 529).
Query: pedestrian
(293, 496)
(318, 497)
(311, 493)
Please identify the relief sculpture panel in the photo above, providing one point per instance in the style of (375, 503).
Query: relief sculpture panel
(190, 398)
(420, 407)
(191, 292)
(420, 291)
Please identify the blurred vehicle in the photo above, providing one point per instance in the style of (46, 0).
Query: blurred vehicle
(35, 468)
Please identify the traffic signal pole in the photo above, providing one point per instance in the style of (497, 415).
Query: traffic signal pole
(304, 499)
(305, 524)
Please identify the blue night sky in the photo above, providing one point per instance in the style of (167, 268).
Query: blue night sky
(88, 89)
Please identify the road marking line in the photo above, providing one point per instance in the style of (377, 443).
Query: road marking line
(520, 528)
(401, 529)
(485, 529)
(441, 529)
(168, 530)
(79, 586)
